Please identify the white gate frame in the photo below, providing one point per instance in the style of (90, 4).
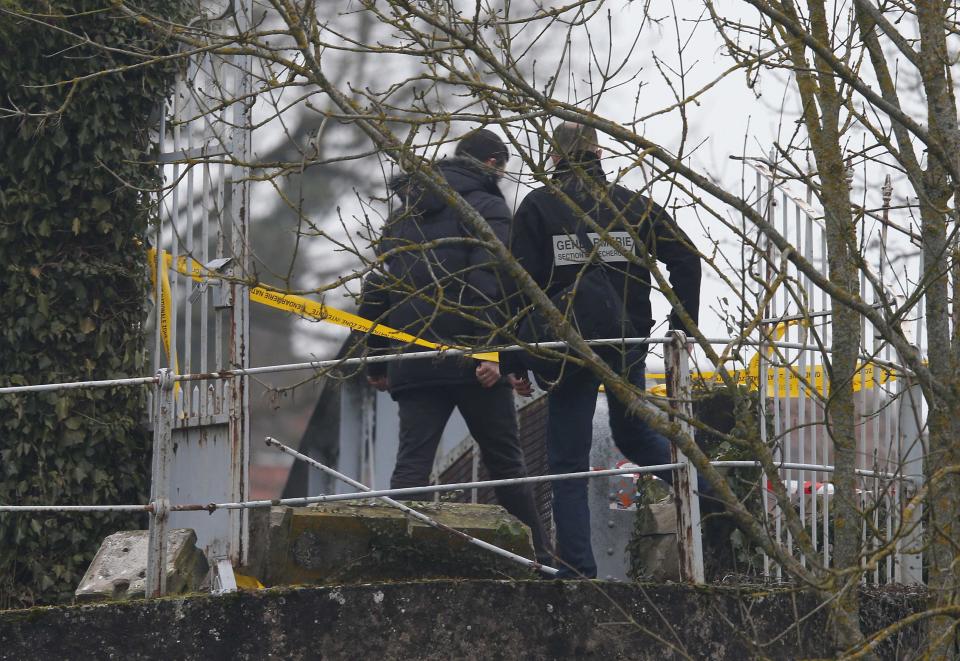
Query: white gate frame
(202, 433)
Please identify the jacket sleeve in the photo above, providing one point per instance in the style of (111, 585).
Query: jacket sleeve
(669, 244)
(525, 247)
(375, 306)
(493, 288)
(488, 284)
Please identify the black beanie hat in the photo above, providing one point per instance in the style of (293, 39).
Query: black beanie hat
(483, 145)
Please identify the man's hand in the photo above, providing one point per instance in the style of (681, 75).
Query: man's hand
(521, 385)
(378, 382)
(488, 373)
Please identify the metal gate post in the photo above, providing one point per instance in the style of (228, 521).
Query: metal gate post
(239, 426)
(689, 537)
(156, 578)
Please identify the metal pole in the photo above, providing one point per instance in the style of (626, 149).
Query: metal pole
(156, 578)
(689, 541)
(436, 488)
(224, 374)
(362, 495)
(532, 564)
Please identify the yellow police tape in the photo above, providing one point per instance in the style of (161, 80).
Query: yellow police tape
(782, 382)
(299, 305)
(166, 305)
(788, 382)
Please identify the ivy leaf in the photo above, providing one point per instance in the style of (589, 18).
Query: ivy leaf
(100, 204)
(87, 325)
(62, 407)
(43, 304)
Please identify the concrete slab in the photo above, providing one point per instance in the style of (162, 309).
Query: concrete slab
(357, 542)
(118, 570)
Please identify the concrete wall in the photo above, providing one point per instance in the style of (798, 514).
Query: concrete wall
(453, 620)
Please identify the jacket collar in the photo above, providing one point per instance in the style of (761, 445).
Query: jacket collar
(586, 161)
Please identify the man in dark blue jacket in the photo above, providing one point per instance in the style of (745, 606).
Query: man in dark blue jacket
(547, 242)
(442, 286)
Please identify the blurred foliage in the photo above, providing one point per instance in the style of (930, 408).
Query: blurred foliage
(73, 295)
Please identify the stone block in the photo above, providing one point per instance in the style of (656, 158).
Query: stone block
(340, 542)
(269, 531)
(653, 548)
(119, 569)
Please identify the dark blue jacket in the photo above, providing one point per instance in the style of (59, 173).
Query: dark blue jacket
(425, 288)
(544, 240)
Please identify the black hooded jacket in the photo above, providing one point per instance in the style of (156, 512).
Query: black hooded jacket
(544, 240)
(423, 278)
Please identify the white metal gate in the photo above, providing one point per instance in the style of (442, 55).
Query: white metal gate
(205, 140)
(889, 408)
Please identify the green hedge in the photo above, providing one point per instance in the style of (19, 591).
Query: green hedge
(73, 293)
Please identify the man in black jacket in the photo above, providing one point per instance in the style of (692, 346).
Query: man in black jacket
(441, 286)
(547, 242)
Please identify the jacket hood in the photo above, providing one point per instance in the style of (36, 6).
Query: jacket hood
(464, 175)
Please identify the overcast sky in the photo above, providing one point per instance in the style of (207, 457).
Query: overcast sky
(728, 120)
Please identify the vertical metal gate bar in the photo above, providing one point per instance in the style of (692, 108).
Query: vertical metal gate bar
(762, 386)
(368, 434)
(893, 466)
(822, 417)
(860, 420)
(174, 228)
(809, 363)
(782, 385)
(191, 111)
(220, 384)
(801, 403)
(206, 403)
(876, 411)
(158, 244)
(769, 375)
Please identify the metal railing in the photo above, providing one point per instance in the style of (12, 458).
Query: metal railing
(892, 484)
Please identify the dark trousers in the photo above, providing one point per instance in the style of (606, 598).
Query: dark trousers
(492, 420)
(569, 435)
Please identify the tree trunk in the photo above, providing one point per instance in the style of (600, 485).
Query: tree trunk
(818, 92)
(944, 450)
